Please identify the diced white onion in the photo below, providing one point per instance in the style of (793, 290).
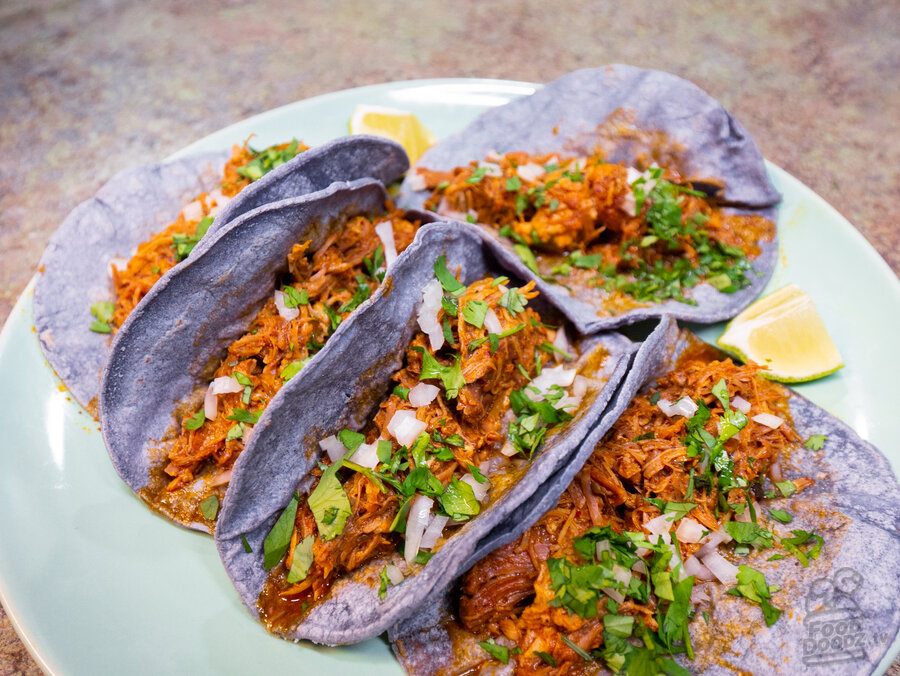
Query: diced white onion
(333, 447)
(561, 341)
(428, 312)
(684, 406)
(693, 567)
(741, 404)
(530, 172)
(508, 449)
(581, 385)
(417, 182)
(554, 375)
(491, 169)
(659, 525)
(615, 595)
(226, 385)
(221, 478)
(492, 322)
(712, 541)
(675, 563)
(192, 211)
(493, 156)
(698, 594)
(433, 531)
(284, 311)
(479, 489)
(366, 455)
(385, 232)
(220, 385)
(621, 574)
(629, 204)
(393, 573)
(416, 521)
(725, 571)
(423, 394)
(601, 546)
(775, 469)
(248, 431)
(689, 530)
(569, 404)
(445, 210)
(768, 420)
(640, 566)
(405, 427)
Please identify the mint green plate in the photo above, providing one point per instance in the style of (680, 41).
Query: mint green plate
(96, 583)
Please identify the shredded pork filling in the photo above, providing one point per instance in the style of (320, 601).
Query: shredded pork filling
(648, 235)
(160, 253)
(326, 286)
(465, 427)
(511, 595)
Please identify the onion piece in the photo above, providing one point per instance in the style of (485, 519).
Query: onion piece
(712, 541)
(220, 385)
(689, 530)
(699, 594)
(614, 594)
(192, 211)
(769, 420)
(479, 489)
(433, 531)
(508, 449)
(530, 172)
(693, 567)
(555, 375)
(621, 574)
(416, 520)
(393, 573)
(684, 406)
(210, 404)
(659, 525)
(423, 394)
(724, 570)
(405, 427)
(417, 182)
(221, 478)
(385, 232)
(640, 566)
(741, 404)
(491, 169)
(284, 311)
(248, 431)
(428, 313)
(561, 342)
(118, 263)
(492, 322)
(366, 455)
(333, 447)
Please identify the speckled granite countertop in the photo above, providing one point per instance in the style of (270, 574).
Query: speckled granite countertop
(89, 88)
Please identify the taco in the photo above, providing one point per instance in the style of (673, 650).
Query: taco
(723, 520)
(85, 289)
(214, 342)
(625, 193)
(373, 480)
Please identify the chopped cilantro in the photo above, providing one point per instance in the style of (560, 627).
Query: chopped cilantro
(450, 376)
(330, 495)
(495, 650)
(781, 516)
(474, 312)
(244, 416)
(577, 649)
(802, 537)
(210, 507)
(747, 533)
(513, 301)
(548, 658)
(195, 421)
(458, 500)
(351, 440)
(527, 257)
(293, 369)
(103, 312)
(267, 160)
(293, 297)
(447, 280)
(236, 431)
(513, 184)
(302, 560)
(752, 585)
(402, 392)
(278, 540)
(816, 442)
(247, 548)
(422, 557)
(476, 473)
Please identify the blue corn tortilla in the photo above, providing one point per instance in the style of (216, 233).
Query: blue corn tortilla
(187, 320)
(854, 505)
(139, 202)
(338, 390)
(570, 114)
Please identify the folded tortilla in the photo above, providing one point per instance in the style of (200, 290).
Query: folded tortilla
(339, 390)
(608, 109)
(166, 347)
(139, 202)
(840, 613)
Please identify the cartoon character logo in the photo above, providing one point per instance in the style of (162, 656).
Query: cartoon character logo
(835, 625)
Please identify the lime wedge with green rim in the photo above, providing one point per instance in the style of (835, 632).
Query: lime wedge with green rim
(396, 125)
(784, 332)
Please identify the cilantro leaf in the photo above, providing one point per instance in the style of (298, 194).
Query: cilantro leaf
(748, 533)
(447, 280)
(330, 495)
(513, 301)
(195, 421)
(474, 312)
(210, 507)
(458, 501)
(302, 560)
(278, 540)
(244, 416)
(450, 376)
(495, 650)
(816, 442)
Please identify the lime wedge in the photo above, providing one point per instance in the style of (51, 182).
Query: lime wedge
(784, 332)
(397, 125)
